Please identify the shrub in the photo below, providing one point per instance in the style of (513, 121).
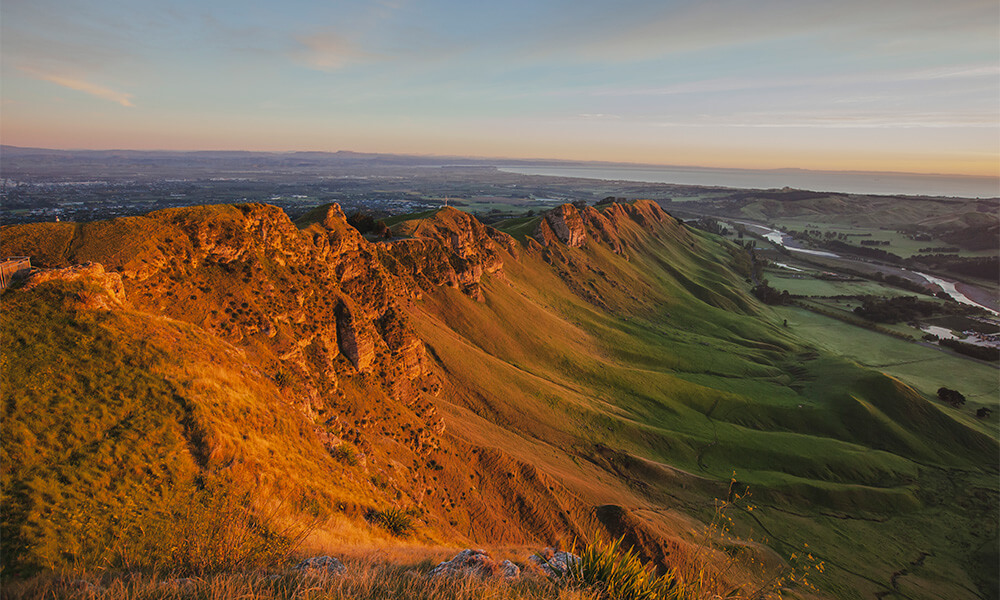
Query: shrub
(980, 352)
(346, 453)
(952, 397)
(396, 521)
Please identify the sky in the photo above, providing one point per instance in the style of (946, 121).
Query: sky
(886, 85)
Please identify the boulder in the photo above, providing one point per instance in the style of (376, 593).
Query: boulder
(321, 565)
(555, 563)
(476, 562)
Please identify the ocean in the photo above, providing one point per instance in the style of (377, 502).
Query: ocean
(850, 182)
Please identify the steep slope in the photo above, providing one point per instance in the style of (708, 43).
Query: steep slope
(501, 391)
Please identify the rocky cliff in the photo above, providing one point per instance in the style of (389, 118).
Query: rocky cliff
(327, 315)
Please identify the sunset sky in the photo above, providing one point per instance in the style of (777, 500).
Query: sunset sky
(886, 85)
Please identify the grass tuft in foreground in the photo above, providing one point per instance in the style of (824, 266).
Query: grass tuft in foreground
(395, 520)
(618, 574)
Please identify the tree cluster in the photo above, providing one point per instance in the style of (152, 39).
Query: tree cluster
(895, 309)
(712, 226)
(980, 352)
(366, 223)
(768, 295)
(952, 397)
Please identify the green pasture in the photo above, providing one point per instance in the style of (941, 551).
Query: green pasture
(521, 228)
(899, 243)
(923, 367)
(802, 284)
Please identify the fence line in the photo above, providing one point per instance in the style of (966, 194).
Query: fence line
(11, 267)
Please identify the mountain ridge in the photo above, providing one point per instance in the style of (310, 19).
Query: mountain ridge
(500, 390)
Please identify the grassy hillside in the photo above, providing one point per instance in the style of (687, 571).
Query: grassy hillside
(500, 392)
(119, 424)
(675, 375)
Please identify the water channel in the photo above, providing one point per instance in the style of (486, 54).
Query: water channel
(781, 239)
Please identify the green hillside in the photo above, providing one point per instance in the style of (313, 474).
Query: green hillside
(499, 390)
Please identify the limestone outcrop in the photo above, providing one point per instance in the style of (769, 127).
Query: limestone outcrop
(564, 224)
(355, 336)
(453, 249)
(602, 229)
(555, 563)
(99, 290)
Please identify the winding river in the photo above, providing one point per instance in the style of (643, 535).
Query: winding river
(780, 239)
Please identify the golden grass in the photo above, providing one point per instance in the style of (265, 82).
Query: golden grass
(363, 580)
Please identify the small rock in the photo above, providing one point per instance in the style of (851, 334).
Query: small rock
(509, 570)
(556, 564)
(322, 565)
(476, 562)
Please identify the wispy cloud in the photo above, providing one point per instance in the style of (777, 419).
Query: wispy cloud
(330, 51)
(987, 73)
(94, 89)
(641, 30)
(844, 121)
(599, 116)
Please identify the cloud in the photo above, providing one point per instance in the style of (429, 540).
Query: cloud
(915, 120)
(837, 83)
(599, 116)
(639, 30)
(123, 98)
(330, 51)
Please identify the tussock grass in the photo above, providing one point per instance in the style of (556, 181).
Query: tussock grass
(616, 573)
(363, 580)
(114, 455)
(395, 520)
(215, 532)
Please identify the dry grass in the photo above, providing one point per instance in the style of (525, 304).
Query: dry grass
(362, 580)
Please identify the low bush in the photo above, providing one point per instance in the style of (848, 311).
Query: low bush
(396, 521)
(346, 453)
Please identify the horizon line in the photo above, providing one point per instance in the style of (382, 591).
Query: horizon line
(568, 161)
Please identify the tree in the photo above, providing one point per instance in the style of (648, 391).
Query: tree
(952, 397)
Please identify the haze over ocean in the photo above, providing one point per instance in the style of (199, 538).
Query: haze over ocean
(848, 182)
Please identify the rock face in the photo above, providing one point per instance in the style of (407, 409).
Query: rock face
(99, 291)
(564, 224)
(602, 229)
(354, 336)
(326, 316)
(476, 562)
(555, 564)
(452, 249)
